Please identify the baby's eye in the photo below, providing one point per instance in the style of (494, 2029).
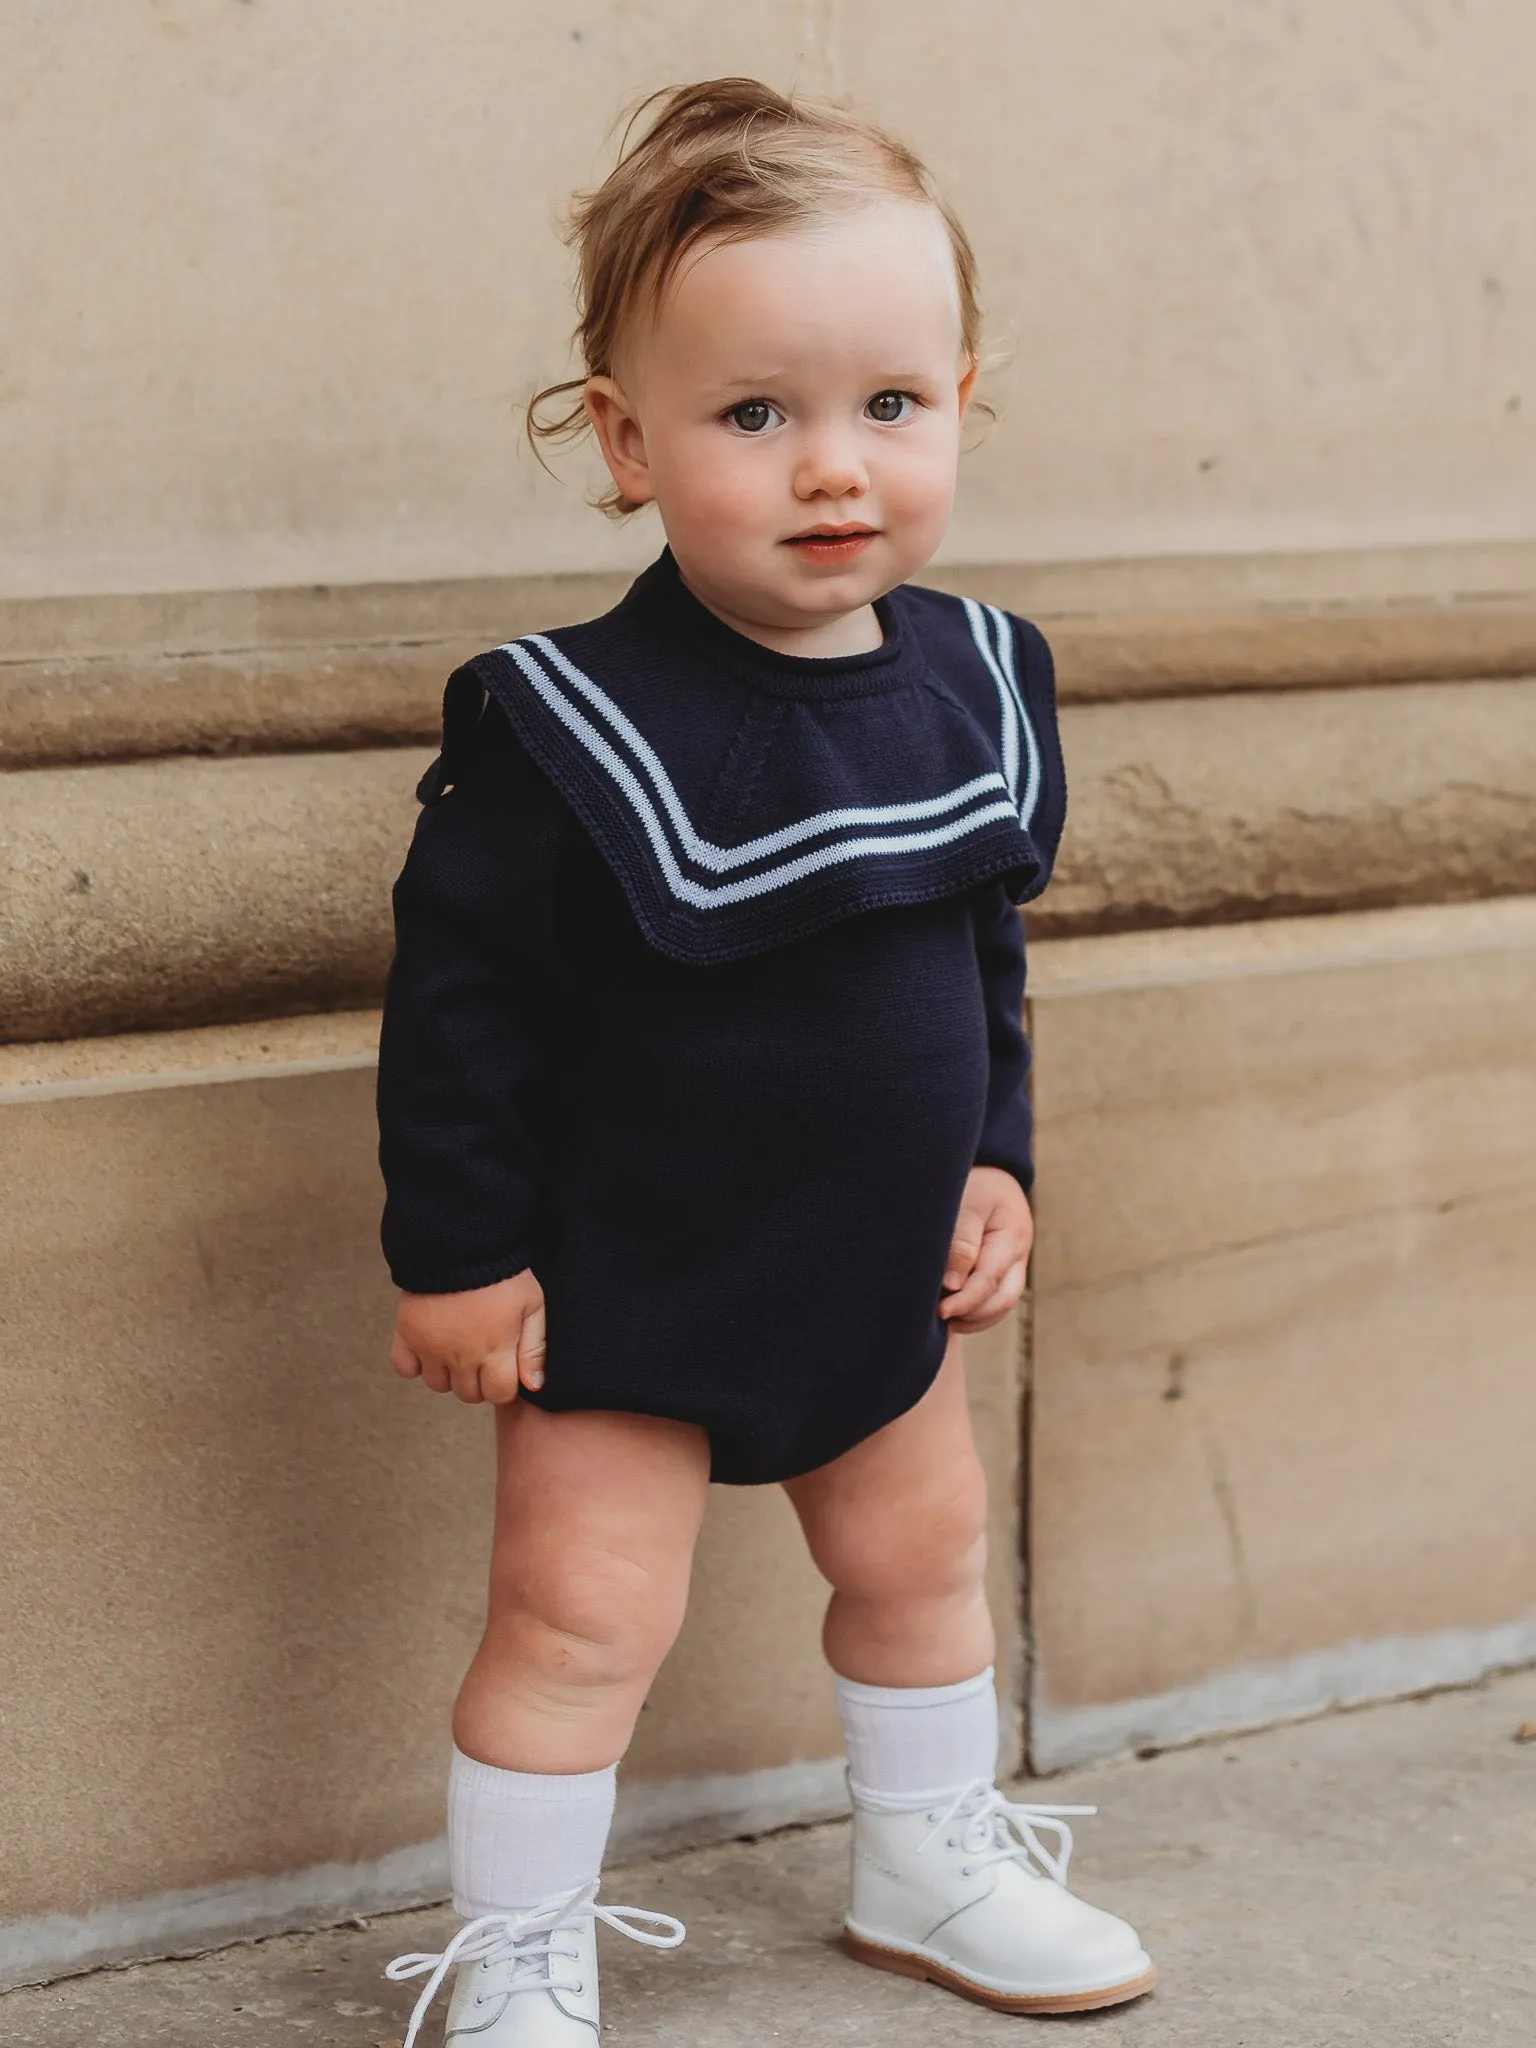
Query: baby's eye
(754, 415)
(889, 407)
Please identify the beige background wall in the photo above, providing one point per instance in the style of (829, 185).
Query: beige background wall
(279, 273)
(1283, 1387)
(275, 279)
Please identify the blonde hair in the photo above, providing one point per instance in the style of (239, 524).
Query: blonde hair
(729, 159)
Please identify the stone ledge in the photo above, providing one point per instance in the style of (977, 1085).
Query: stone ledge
(279, 1048)
(133, 625)
(1234, 808)
(157, 895)
(58, 713)
(124, 678)
(174, 893)
(1062, 969)
(109, 709)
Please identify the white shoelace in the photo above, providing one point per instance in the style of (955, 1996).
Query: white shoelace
(529, 1942)
(999, 1830)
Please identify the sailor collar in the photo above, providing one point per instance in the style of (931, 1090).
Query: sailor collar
(745, 798)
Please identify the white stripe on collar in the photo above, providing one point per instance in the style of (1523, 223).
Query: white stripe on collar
(1015, 717)
(721, 859)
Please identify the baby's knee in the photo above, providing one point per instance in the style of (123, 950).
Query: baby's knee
(933, 1546)
(583, 1616)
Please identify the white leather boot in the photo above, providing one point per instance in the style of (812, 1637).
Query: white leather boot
(966, 1895)
(528, 1980)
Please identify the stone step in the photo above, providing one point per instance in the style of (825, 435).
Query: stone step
(156, 894)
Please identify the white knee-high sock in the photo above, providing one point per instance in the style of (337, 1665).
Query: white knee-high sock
(517, 1838)
(908, 1744)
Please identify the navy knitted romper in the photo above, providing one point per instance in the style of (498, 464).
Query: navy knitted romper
(707, 995)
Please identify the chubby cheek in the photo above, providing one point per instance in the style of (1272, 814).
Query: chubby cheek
(917, 493)
(711, 489)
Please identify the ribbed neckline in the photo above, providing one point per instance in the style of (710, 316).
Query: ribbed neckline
(661, 596)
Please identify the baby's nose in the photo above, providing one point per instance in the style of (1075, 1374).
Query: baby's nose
(830, 466)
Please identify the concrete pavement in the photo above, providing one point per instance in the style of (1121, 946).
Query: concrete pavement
(1369, 1877)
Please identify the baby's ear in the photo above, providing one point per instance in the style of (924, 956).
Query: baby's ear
(620, 437)
(969, 371)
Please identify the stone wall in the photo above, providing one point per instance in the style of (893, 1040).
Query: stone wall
(1264, 471)
(1283, 1397)
(1261, 276)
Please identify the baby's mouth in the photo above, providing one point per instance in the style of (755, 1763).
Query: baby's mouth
(833, 544)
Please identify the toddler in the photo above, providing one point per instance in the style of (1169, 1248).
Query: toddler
(701, 1085)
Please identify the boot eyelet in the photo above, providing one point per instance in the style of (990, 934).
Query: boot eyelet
(951, 1843)
(577, 1990)
(965, 1870)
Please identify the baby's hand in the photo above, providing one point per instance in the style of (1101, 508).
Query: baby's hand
(481, 1345)
(989, 1250)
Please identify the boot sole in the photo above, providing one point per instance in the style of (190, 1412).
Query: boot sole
(901, 1964)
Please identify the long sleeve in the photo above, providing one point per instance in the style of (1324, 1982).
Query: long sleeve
(471, 1011)
(1008, 1125)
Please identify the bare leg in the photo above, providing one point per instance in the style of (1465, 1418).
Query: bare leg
(596, 1516)
(897, 1526)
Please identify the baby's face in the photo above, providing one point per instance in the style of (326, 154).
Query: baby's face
(807, 381)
